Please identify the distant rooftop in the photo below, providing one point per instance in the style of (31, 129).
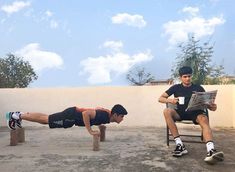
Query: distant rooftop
(161, 82)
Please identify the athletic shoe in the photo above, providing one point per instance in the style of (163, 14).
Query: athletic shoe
(16, 116)
(179, 151)
(213, 157)
(18, 123)
(11, 122)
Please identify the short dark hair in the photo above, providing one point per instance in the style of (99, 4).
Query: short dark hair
(119, 110)
(185, 70)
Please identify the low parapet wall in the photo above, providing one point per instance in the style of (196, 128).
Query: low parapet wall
(140, 101)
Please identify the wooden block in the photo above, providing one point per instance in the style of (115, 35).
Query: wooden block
(21, 135)
(13, 138)
(96, 142)
(102, 132)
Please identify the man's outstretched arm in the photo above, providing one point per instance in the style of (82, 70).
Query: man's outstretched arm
(87, 116)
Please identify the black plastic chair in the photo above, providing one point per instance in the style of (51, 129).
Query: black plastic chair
(169, 136)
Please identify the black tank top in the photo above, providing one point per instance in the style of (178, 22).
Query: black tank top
(101, 117)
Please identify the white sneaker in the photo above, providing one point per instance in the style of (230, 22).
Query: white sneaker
(213, 157)
(13, 120)
(18, 120)
(179, 151)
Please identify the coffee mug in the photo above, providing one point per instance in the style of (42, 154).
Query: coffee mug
(181, 100)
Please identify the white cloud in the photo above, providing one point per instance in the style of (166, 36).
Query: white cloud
(114, 45)
(192, 10)
(131, 20)
(15, 7)
(178, 31)
(54, 24)
(38, 58)
(49, 13)
(47, 16)
(101, 69)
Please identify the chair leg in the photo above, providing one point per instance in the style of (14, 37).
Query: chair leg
(202, 139)
(167, 135)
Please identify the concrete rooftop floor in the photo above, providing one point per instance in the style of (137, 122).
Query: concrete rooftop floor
(126, 149)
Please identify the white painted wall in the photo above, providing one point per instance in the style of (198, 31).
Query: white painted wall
(141, 102)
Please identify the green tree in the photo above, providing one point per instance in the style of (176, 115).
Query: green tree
(198, 57)
(139, 76)
(15, 72)
(215, 76)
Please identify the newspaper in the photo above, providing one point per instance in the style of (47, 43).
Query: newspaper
(200, 100)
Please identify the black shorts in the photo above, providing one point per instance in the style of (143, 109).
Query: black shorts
(191, 115)
(65, 119)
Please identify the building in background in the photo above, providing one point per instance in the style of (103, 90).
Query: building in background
(161, 82)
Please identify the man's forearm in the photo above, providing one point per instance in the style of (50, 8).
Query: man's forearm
(163, 100)
(168, 100)
(86, 120)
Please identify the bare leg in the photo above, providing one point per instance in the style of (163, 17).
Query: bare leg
(206, 130)
(171, 115)
(35, 117)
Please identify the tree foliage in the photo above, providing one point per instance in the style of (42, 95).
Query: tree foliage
(15, 72)
(215, 77)
(198, 57)
(138, 76)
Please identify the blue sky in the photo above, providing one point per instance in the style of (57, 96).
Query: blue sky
(92, 43)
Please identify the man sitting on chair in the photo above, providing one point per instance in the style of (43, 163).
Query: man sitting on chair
(185, 89)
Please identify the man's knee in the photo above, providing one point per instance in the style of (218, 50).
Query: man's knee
(168, 112)
(68, 123)
(203, 119)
